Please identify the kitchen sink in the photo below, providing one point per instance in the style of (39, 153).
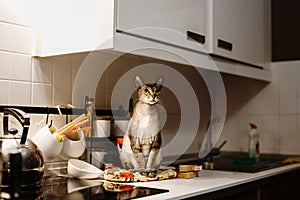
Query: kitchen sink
(239, 162)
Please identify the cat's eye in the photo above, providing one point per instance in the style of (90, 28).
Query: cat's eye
(146, 90)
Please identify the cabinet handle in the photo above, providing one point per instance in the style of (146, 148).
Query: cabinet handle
(196, 37)
(225, 45)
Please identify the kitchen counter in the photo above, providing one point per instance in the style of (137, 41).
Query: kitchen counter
(210, 181)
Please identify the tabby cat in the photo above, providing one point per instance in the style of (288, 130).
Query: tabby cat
(141, 147)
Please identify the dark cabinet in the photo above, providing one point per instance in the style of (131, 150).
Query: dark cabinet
(277, 187)
(285, 30)
(280, 187)
(248, 194)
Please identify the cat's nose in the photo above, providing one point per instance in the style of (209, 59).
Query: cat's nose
(152, 100)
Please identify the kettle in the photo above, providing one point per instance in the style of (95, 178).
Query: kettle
(22, 161)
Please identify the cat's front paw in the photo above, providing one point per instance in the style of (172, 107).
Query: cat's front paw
(128, 165)
(152, 169)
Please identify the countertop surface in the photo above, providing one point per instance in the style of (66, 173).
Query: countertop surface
(209, 181)
(62, 187)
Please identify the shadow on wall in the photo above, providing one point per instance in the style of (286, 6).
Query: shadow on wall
(244, 103)
(170, 102)
(240, 91)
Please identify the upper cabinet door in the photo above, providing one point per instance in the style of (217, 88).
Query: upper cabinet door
(73, 26)
(241, 30)
(235, 32)
(176, 22)
(234, 29)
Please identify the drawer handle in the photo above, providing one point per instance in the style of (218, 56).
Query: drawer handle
(224, 45)
(196, 37)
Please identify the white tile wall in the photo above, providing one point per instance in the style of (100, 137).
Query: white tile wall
(20, 67)
(5, 40)
(275, 107)
(289, 137)
(22, 39)
(42, 94)
(4, 87)
(42, 70)
(77, 60)
(25, 80)
(62, 81)
(20, 93)
(288, 105)
(4, 64)
(270, 134)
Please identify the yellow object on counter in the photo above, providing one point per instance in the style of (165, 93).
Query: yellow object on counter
(292, 160)
(188, 168)
(189, 171)
(192, 174)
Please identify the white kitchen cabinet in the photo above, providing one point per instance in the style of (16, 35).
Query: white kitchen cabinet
(233, 29)
(168, 21)
(240, 30)
(185, 32)
(69, 26)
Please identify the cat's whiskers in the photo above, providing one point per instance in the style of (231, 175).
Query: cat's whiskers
(160, 102)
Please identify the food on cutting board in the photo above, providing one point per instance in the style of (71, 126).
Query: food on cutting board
(115, 187)
(122, 175)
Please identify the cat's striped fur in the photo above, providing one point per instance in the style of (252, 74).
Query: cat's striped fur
(141, 147)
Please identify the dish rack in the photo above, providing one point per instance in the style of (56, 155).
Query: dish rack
(93, 144)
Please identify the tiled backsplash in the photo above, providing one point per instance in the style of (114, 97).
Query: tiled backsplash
(29, 81)
(275, 107)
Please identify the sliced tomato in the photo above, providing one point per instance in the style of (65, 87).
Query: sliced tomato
(126, 187)
(126, 175)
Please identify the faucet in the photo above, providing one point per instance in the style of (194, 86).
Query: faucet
(208, 163)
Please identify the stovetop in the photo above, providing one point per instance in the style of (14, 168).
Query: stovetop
(56, 188)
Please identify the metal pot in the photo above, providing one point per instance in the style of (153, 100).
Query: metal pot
(23, 164)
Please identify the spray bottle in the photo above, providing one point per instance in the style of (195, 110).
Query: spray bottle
(253, 142)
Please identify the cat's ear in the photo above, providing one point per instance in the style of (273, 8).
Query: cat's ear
(160, 81)
(138, 81)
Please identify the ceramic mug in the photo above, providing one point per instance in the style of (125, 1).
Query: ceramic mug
(73, 148)
(47, 143)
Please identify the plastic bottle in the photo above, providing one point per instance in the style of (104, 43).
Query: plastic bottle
(253, 142)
